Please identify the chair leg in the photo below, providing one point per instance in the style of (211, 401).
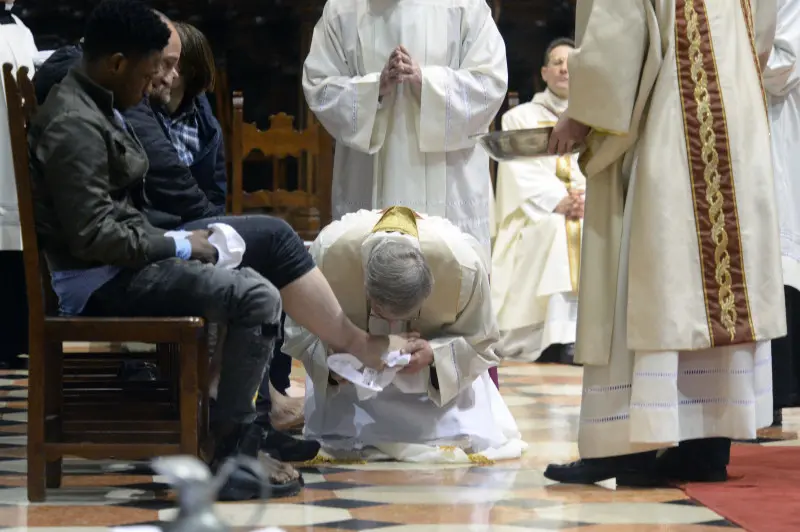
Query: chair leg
(189, 407)
(54, 474)
(203, 362)
(54, 422)
(37, 384)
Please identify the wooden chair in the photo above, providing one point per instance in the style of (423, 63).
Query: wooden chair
(76, 405)
(308, 208)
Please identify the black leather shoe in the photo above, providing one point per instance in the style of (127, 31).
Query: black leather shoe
(588, 471)
(673, 466)
(567, 355)
(286, 448)
(243, 484)
(635, 470)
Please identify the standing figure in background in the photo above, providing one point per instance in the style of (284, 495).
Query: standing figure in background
(782, 83)
(403, 86)
(18, 48)
(682, 289)
(536, 256)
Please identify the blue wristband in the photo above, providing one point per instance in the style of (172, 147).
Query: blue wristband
(183, 248)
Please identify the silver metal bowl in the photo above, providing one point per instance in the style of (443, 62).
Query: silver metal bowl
(517, 144)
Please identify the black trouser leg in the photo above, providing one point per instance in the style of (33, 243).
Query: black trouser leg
(272, 247)
(281, 366)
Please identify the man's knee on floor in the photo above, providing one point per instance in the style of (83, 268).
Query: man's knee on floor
(259, 301)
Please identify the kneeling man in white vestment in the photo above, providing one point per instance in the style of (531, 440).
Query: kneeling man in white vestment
(425, 282)
(684, 292)
(536, 256)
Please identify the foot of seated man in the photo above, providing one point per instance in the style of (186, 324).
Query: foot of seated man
(246, 440)
(285, 412)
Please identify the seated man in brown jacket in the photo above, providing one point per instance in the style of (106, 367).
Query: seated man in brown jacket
(106, 258)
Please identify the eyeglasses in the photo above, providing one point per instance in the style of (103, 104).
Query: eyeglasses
(409, 323)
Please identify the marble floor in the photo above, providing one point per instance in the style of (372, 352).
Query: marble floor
(386, 497)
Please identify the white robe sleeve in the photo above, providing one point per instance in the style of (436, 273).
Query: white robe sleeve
(765, 20)
(458, 103)
(781, 75)
(539, 189)
(345, 104)
(464, 352)
(605, 68)
(30, 43)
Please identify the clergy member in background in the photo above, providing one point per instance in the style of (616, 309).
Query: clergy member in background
(536, 256)
(403, 273)
(17, 48)
(403, 86)
(681, 291)
(782, 83)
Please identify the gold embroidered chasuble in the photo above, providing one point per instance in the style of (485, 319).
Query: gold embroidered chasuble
(672, 90)
(461, 330)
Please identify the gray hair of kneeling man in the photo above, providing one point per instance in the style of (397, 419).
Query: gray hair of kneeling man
(397, 278)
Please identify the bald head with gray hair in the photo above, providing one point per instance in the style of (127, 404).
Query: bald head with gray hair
(398, 280)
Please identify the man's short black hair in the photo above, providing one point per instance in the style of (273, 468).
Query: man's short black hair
(126, 27)
(562, 41)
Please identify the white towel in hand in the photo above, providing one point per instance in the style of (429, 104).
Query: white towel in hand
(229, 243)
(368, 382)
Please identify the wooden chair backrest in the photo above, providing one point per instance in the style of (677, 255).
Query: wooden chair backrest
(224, 117)
(312, 147)
(21, 104)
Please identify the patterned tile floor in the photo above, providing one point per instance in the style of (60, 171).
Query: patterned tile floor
(387, 497)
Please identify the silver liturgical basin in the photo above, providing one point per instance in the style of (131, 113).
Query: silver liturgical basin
(517, 144)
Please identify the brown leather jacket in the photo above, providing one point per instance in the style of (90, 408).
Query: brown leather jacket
(84, 162)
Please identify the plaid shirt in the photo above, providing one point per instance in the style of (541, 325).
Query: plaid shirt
(184, 132)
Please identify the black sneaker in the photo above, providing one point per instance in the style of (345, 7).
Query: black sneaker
(243, 484)
(284, 447)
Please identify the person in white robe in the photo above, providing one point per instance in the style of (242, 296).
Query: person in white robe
(18, 49)
(399, 272)
(782, 83)
(536, 255)
(403, 86)
(685, 291)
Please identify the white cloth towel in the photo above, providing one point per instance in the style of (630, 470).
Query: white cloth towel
(368, 381)
(229, 243)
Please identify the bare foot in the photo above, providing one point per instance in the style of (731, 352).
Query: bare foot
(287, 412)
(278, 472)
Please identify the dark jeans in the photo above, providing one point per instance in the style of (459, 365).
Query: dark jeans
(273, 249)
(242, 299)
